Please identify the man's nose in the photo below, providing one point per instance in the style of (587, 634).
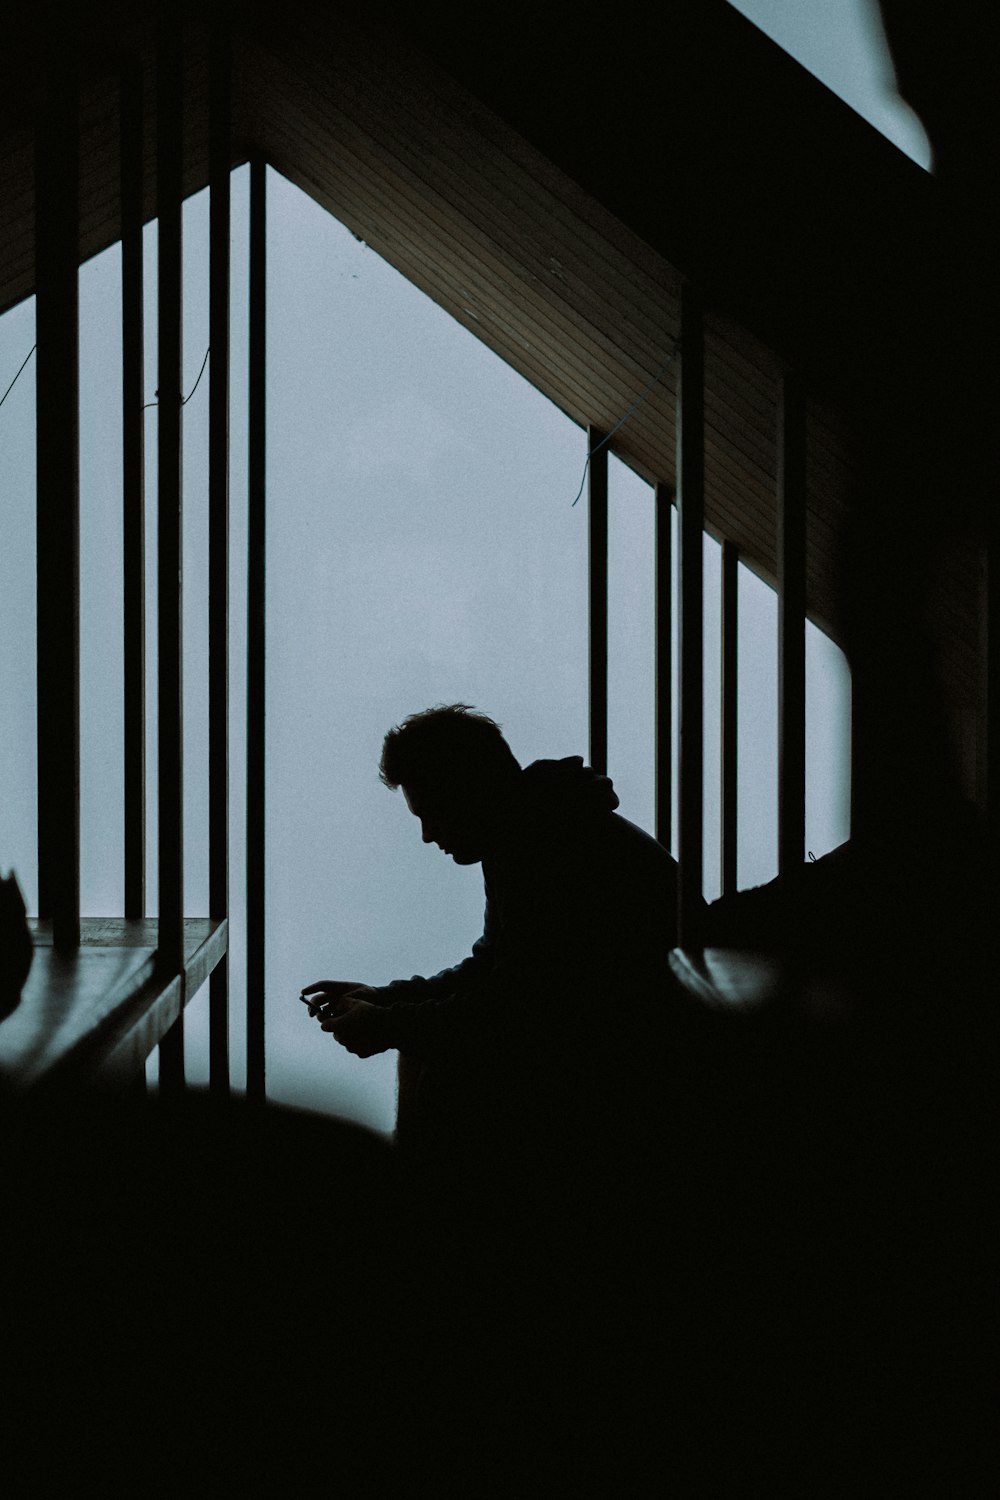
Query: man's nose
(426, 832)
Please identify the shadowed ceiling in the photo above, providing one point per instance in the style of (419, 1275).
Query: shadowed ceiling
(549, 188)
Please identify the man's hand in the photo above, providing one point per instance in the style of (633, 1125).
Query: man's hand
(326, 996)
(342, 1009)
(360, 1028)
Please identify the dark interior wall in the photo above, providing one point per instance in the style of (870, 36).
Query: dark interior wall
(794, 215)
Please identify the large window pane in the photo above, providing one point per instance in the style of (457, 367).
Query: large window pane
(757, 801)
(422, 548)
(828, 744)
(18, 723)
(712, 667)
(631, 643)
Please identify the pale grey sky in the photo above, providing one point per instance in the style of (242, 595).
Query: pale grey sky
(842, 43)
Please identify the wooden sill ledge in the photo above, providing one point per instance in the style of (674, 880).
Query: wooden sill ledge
(97, 1013)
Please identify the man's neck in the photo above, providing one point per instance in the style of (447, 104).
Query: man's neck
(503, 816)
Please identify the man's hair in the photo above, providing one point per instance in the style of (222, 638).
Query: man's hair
(451, 743)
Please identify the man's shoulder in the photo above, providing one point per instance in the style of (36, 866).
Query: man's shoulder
(639, 837)
(637, 856)
(586, 847)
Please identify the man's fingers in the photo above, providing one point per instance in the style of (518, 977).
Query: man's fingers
(332, 987)
(335, 1015)
(356, 1029)
(327, 996)
(334, 1009)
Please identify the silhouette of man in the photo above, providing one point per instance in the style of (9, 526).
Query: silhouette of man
(549, 1021)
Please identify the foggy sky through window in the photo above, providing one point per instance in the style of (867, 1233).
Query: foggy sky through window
(842, 43)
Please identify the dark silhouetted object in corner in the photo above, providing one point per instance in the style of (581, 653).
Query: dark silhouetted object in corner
(16, 950)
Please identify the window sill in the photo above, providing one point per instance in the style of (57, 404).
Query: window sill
(97, 1013)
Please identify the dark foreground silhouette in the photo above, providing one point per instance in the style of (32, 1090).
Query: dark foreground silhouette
(736, 1248)
(530, 1071)
(786, 1288)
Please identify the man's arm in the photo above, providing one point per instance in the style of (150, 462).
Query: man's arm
(578, 930)
(360, 1016)
(434, 1014)
(457, 980)
(562, 941)
(517, 968)
(367, 1021)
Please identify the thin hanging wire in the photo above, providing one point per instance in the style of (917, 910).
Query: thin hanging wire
(187, 398)
(14, 381)
(632, 409)
(148, 404)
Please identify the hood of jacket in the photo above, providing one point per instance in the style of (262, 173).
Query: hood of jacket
(561, 791)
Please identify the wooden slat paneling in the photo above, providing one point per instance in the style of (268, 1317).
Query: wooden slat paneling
(506, 242)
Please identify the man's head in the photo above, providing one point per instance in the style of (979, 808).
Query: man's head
(457, 772)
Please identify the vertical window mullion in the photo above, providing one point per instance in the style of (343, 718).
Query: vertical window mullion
(218, 540)
(791, 624)
(169, 548)
(256, 580)
(991, 658)
(691, 507)
(133, 490)
(597, 498)
(58, 504)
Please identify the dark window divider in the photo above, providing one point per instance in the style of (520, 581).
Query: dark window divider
(791, 624)
(691, 509)
(169, 136)
(256, 533)
(597, 505)
(220, 165)
(57, 150)
(133, 489)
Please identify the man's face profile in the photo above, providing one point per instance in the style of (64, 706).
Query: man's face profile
(448, 820)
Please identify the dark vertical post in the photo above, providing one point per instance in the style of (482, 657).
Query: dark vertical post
(597, 502)
(991, 700)
(256, 528)
(58, 501)
(664, 665)
(133, 489)
(691, 507)
(791, 625)
(730, 710)
(169, 551)
(218, 542)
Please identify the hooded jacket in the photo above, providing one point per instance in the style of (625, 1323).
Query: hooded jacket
(580, 915)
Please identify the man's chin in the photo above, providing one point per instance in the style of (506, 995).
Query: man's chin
(465, 857)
